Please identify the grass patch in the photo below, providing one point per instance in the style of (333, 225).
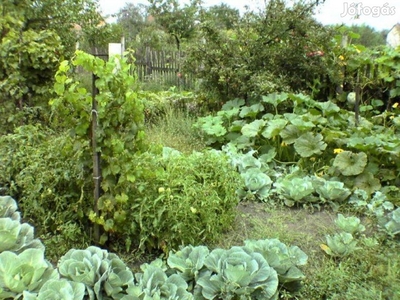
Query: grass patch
(175, 129)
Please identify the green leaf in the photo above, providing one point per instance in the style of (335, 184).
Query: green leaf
(131, 177)
(252, 129)
(327, 107)
(213, 125)
(8, 208)
(367, 182)
(290, 134)
(274, 128)
(58, 289)
(237, 125)
(26, 271)
(232, 104)
(309, 144)
(301, 122)
(349, 163)
(275, 98)
(238, 272)
(59, 88)
(252, 111)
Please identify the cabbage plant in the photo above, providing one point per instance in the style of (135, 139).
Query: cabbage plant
(60, 289)
(188, 261)
(285, 260)
(332, 191)
(237, 273)
(295, 190)
(17, 237)
(154, 284)
(26, 271)
(350, 224)
(257, 182)
(391, 222)
(103, 273)
(340, 244)
(8, 208)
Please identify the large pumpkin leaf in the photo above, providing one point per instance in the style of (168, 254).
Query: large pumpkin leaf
(235, 103)
(309, 144)
(349, 163)
(273, 128)
(275, 98)
(290, 134)
(300, 121)
(252, 129)
(367, 182)
(213, 125)
(327, 107)
(251, 111)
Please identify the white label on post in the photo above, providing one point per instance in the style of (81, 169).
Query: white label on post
(114, 49)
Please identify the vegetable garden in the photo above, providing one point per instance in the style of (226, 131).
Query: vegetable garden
(202, 193)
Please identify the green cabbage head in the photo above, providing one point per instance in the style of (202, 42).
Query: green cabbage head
(154, 283)
(8, 208)
(237, 273)
(60, 289)
(17, 237)
(26, 271)
(285, 261)
(103, 273)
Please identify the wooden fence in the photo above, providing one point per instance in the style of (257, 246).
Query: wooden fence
(162, 67)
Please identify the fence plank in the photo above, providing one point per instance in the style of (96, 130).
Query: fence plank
(161, 66)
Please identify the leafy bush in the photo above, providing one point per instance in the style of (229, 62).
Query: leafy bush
(264, 52)
(350, 225)
(40, 169)
(295, 190)
(330, 190)
(340, 244)
(171, 201)
(15, 237)
(157, 105)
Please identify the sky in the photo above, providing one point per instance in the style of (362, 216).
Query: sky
(378, 14)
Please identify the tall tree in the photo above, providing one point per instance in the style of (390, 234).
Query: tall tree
(369, 37)
(35, 35)
(178, 21)
(278, 48)
(223, 16)
(132, 19)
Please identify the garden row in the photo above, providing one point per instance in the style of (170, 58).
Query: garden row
(258, 269)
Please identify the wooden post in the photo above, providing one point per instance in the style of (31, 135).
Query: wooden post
(96, 160)
(358, 98)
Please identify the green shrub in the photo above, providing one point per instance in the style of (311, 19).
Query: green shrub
(170, 201)
(40, 170)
